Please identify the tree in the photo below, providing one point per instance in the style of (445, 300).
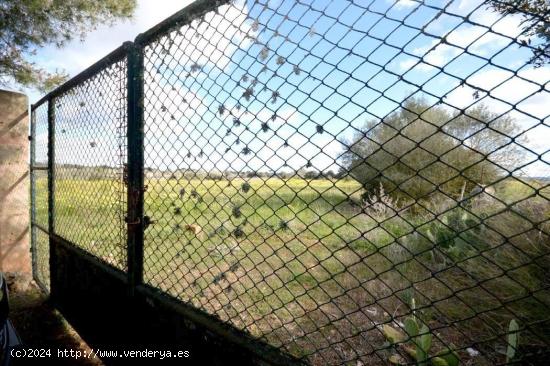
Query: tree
(28, 24)
(420, 148)
(536, 23)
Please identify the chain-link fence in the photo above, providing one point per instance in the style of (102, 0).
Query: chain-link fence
(90, 155)
(354, 182)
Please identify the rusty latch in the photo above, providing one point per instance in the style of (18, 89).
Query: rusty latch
(146, 221)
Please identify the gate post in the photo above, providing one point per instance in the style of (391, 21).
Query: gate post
(51, 184)
(51, 166)
(32, 188)
(134, 218)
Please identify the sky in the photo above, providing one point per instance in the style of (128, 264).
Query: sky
(275, 86)
(76, 56)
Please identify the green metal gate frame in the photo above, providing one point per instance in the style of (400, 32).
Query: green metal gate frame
(133, 53)
(133, 277)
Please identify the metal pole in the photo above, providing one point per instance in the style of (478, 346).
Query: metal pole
(51, 166)
(32, 141)
(134, 218)
(51, 190)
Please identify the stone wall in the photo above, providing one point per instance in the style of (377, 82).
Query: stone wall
(14, 183)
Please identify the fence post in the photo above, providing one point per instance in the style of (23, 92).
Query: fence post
(134, 218)
(32, 189)
(51, 166)
(51, 184)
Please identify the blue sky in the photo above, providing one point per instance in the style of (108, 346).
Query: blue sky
(315, 70)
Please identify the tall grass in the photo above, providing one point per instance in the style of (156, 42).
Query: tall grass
(316, 266)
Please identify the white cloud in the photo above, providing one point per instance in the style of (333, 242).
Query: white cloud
(441, 55)
(405, 4)
(519, 99)
(507, 87)
(407, 64)
(476, 36)
(212, 41)
(434, 53)
(492, 35)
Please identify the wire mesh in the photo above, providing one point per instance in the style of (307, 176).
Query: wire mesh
(90, 158)
(353, 182)
(325, 174)
(39, 194)
(42, 261)
(40, 161)
(40, 137)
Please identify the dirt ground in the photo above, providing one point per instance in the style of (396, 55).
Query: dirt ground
(40, 326)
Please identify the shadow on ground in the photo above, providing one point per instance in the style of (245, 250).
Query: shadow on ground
(40, 326)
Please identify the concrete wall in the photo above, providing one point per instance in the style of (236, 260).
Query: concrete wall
(14, 183)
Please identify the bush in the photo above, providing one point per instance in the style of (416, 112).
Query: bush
(422, 148)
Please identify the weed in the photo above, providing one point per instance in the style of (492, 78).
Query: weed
(513, 340)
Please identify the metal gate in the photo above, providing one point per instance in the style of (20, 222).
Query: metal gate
(338, 182)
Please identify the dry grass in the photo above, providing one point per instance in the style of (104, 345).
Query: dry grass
(303, 265)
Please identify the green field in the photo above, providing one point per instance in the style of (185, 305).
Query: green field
(304, 264)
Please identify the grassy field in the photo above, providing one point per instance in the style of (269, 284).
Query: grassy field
(305, 265)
